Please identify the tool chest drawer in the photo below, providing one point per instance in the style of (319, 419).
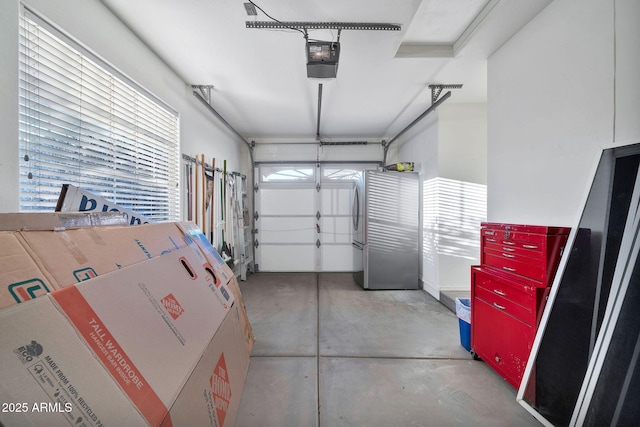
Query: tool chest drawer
(507, 306)
(513, 298)
(530, 268)
(517, 249)
(502, 341)
(532, 243)
(528, 251)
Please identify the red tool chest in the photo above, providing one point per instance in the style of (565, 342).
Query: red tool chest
(509, 290)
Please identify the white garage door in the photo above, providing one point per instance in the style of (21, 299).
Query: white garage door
(304, 217)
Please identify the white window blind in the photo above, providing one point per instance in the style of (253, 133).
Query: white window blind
(84, 123)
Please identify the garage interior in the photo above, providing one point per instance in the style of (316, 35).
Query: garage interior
(259, 128)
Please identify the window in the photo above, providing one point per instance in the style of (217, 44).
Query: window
(335, 173)
(84, 123)
(289, 173)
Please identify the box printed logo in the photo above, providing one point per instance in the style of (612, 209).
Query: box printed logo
(26, 353)
(28, 290)
(221, 389)
(85, 274)
(173, 307)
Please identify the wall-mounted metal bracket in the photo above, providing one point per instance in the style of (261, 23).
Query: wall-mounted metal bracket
(250, 8)
(437, 89)
(204, 91)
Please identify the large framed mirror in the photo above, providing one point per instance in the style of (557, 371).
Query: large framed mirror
(582, 368)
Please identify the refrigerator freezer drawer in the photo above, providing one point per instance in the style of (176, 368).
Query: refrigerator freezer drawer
(388, 269)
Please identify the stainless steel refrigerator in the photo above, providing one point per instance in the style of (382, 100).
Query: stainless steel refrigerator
(385, 214)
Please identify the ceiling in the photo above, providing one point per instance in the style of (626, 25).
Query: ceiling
(259, 76)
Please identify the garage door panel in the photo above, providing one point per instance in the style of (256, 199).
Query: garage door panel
(287, 223)
(336, 229)
(287, 229)
(336, 201)
(288, 258)
(337, 258)
(287, 201)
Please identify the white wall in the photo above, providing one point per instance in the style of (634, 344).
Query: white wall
(627, 71)
(563, 87)
(463, 142)
(89, 22)
(449, 151)
(9, 106)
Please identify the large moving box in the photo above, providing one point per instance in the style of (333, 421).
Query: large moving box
(21, 278)
(50, 378)
(211, 395)
(161, 335)
(195, 236)
(34, 262)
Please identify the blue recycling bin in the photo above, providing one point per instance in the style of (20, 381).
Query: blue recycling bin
(463, 311)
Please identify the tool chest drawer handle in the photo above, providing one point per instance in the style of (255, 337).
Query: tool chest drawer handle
(530, 246)
(490, 240)
(508, 249)
(499, 292)
(508, 255)
(506, 242)
(509, 269)
(498, 306)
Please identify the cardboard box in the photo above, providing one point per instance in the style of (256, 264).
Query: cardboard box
(65, 257)
(20, 277)
(212, 394)
(148, 324)
(59, 220)
(195, 237)
(159, 330)
(71, 256)
(243, 319)
(33, 263)
(50, 378)
(74, 199)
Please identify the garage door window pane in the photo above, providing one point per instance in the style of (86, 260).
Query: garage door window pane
(343, 173)
(287, 174)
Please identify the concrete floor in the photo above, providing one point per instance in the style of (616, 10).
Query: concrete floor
(328, 353)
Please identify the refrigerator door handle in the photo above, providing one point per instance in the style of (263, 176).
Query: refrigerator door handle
(355, 211)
